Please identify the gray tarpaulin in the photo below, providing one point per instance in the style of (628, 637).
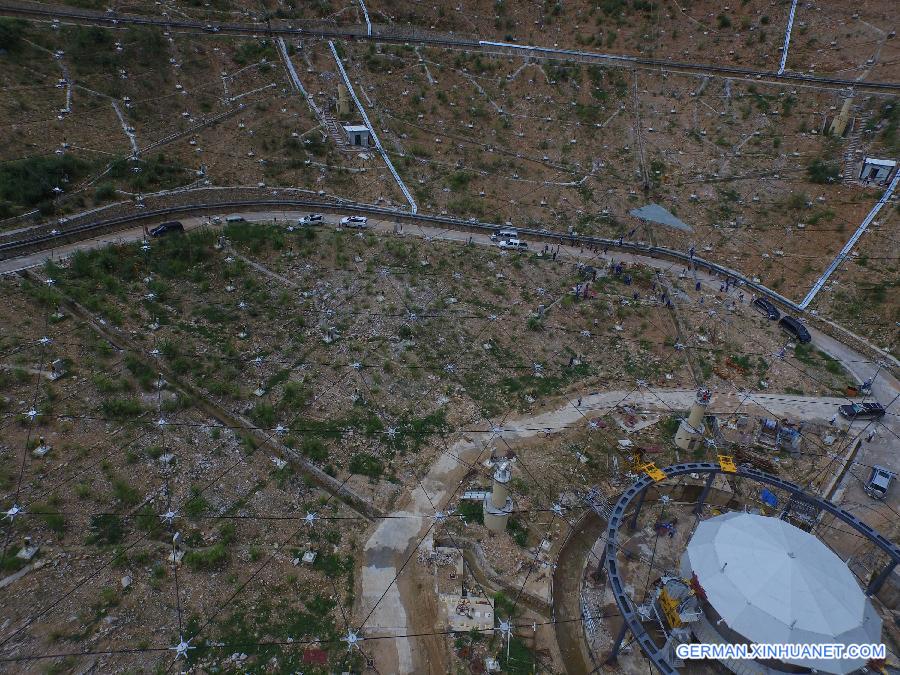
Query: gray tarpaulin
(657, 214)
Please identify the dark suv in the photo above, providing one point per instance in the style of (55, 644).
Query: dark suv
(862, 411)
(167, 228)
(767, 309)
(796, 329)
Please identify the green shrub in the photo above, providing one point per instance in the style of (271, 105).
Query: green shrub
(104, 192)
(52, 518)
(517, 531)
(125, 493)
(196, 506)
(263, 415)
(212, 558)
(367, 465)
(11, 32)
(314, 448)
(822, 172)
(332, 564)
(106, 528)
(471, 512)
(121, 408)
(30, 182)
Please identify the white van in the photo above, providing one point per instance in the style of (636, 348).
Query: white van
(505, 233)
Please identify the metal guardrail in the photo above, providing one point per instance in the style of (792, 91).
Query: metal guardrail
(637, 490)
(45, 240)
(380, 33)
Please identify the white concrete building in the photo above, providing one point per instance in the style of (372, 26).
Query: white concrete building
(878, 171)
(358, 135)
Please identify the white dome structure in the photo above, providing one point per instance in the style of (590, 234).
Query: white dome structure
(771, 582)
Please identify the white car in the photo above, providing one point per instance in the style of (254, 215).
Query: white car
(515, 244)
(311, 219)
(360, 222)
(504, 233)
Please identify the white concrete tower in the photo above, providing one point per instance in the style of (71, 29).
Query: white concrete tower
(498, 504)
(690, 431)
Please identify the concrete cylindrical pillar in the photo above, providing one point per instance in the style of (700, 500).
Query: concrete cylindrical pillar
(497, 504)
(698, 409)
(500, 493)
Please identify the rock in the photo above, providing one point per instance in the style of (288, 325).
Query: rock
(126, 581)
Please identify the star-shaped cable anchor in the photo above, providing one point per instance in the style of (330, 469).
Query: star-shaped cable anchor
(154, 352)
(280, 429)
(169, 517)
(351, 638)
(181, 649)
(14, 512)
(440, 517)
(356, 365)
(31, 414)
(145, 246)
(391, 432)
(161, 422)
(557, 508)
(505, 627)
(310, 518)
(593, 424)
(450, 368)
(45, 340)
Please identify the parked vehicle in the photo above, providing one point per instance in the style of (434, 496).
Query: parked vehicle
(311, 219)
(767, 309)
(235, 219)
(504, 233)
(862, 411)
(796, 329)
(879, 482)
(170, 227)
(514, 244)
(360, 222)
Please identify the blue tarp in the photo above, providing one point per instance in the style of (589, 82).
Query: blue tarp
(768, 497)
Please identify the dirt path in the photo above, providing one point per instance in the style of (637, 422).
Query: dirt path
(386, 580)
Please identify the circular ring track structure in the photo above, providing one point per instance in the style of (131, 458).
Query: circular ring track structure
(637, 491)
